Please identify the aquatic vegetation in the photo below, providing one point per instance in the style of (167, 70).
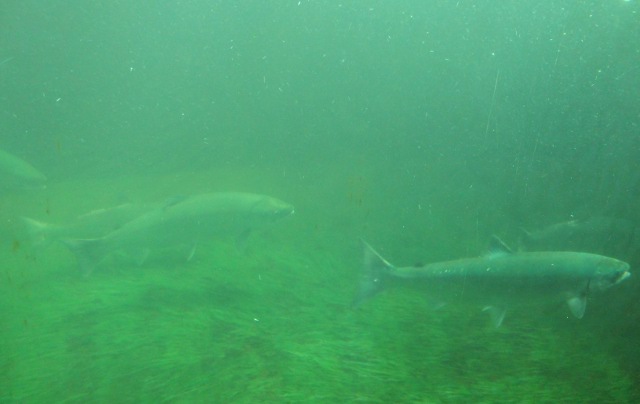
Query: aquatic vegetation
(273, 324)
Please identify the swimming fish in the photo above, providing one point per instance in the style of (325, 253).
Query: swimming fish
(94, 224)
(598, 234)
(184, 221)
(500, 279)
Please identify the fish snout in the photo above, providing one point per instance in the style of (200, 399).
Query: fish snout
(283, 212)
(623, 275)
(289, 212)
(614, 273)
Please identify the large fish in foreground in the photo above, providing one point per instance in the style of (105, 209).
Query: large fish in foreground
(184, 222)
(17, 173)
(501, 279)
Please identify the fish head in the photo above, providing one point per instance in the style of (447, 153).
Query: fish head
(273, 209)
(609, 272)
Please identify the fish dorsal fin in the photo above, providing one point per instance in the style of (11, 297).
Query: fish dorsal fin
(497, 248)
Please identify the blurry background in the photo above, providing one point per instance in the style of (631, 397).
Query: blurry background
(423, 127)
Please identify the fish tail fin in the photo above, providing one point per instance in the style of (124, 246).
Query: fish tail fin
(38, 232)
(375, 274)
(87, 252)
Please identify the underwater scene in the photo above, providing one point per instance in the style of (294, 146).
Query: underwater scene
(319, 201)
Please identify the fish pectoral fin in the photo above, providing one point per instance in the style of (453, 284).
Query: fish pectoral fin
(577, 305)
(497, 314)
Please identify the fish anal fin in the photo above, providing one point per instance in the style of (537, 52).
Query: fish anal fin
(88, 252)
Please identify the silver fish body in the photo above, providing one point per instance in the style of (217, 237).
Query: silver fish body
(501, 279)
(184, 221)
(94, 224)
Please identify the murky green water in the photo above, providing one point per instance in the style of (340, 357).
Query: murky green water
(273, 323)
(421, 128)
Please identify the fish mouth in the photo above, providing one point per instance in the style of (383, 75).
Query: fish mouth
(623, 275)
(285, 212)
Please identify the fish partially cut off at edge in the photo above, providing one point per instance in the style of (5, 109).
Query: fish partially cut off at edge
(17, 173)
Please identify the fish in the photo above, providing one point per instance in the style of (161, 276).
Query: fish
(183, 221)
(17, 173)
(603, 235)
(499, 280)
(93, 224)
